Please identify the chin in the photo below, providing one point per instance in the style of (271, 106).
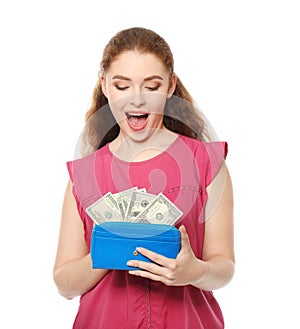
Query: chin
(139, 136)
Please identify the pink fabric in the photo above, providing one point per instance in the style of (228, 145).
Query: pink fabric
(182, 172)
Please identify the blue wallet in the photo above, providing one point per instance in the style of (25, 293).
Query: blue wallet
(114, 243)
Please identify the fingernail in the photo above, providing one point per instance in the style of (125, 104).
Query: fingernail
(129, 263)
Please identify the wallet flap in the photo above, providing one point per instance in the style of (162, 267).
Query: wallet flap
(136, 230)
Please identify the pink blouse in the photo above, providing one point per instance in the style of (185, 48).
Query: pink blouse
(182, 172)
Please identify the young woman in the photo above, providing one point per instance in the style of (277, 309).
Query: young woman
(144, 130)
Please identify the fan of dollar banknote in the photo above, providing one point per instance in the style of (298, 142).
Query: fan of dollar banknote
(134, 205)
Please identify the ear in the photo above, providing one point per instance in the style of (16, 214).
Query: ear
(103, 85)
(172, 86)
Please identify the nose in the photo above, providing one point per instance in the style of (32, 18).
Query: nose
(138, 99)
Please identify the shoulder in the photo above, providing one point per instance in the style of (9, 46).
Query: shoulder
(86, 162)
(216, 148)
(208, 156)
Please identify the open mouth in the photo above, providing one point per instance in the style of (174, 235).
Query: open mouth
(137, 121)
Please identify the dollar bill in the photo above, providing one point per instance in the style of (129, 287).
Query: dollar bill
(160, 211)
(106, 209)
(123, 198)
(140, 200)
(134, 205)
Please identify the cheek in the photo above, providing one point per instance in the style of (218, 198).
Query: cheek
(156, 103)
(114, 95)
(117, 108)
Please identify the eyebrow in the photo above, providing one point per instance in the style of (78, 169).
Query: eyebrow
(152, 77)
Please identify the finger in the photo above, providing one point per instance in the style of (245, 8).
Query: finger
(146, 266)
(147, 275)
(147, 269)
(150, 271)
(155, 257)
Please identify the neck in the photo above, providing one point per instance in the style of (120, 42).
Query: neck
(133, 150)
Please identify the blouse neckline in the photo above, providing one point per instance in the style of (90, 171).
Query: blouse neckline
(156, 157)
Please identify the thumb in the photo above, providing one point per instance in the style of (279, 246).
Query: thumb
(185, 242)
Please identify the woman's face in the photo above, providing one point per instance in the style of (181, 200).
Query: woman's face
(137, 87)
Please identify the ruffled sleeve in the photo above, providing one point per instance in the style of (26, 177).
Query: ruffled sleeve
(216, 154)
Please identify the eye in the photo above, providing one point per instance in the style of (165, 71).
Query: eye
(121, 88)
(153, 88)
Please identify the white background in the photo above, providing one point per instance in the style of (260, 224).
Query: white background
(239, 60)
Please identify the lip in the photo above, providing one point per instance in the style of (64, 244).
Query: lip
(136, 114)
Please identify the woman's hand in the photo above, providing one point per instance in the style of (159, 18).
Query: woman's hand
(216, 267)
(183, 270)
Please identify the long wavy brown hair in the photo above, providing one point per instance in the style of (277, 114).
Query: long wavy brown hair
(181, 114)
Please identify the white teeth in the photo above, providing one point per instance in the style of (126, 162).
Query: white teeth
(137, 114)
